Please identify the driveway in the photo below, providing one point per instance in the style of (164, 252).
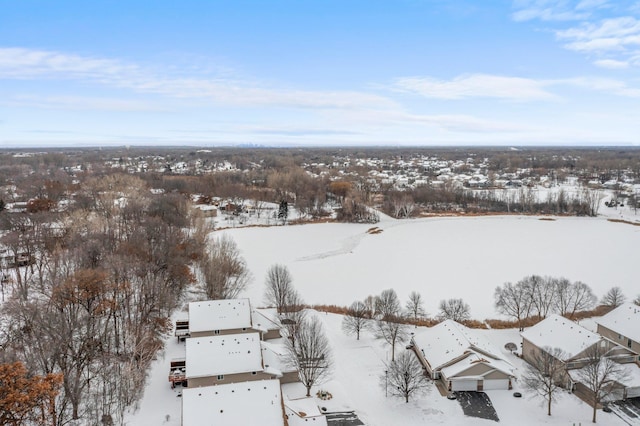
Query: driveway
(628, 410)
(344, 418)
(477, 404)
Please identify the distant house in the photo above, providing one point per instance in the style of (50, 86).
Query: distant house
(219, 317)
(461, 358)
(230, 358)
(622, 325)
(575, 341)
(207, 210)
(248, 403)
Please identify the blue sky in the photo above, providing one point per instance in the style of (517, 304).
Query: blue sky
(343, 72)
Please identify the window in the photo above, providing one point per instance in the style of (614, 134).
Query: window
(220, 376)
(253, 373)
(216, 332)
(628, 343)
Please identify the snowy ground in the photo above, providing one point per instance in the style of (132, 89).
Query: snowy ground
(357, 382)
(441, 258)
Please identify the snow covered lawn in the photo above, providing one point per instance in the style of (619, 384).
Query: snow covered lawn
(441, 258)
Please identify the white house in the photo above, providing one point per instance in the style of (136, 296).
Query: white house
(235, 404)
(219, 317)
(215, 360)
(622, 325)
(575, 342)
(461, 358)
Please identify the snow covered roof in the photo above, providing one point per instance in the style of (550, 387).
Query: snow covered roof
(558, 332)
(625, 319)
(265, 319)
(219, 315)
(275, 356)
(474, 358)
(246, 403)
(225, 354)
(303, 411)
(449, 340)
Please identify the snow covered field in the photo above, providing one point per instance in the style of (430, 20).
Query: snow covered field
(441, 258)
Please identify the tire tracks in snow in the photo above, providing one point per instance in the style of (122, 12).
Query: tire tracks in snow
(349, 244)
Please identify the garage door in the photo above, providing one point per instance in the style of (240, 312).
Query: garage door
(496, 384)
(464, 385)
(633, 392)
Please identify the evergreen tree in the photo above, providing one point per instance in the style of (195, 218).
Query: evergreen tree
(283, 211)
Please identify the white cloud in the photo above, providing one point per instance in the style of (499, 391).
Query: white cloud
(19, 63)
(606, 29)
(606, 85)
(621, 27)
(476, 86)
(553, 10)
(592, 4)
(611, 64)
(80, 103)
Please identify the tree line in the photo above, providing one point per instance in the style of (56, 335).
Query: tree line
(536, 296)
(92, 305)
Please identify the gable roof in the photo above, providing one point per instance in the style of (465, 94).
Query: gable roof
(276, 357)
(265, 319)
(450, 340)
(224, 314)
(473, 359)
(301, 411)
(558, 332)
(225, 354)
(625, 320)
(246, 403)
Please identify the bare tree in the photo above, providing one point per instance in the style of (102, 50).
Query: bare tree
(541, 291)
(613, 297)
(601, 376)
(280, 291)
(544, 372)
(405, 376)
(310, 353)
(454, 309)
(356, 319)
(370, 303)
(224, 270)
(387, 304)
(391, 330)
(415, 305)
(572, 297)
(514, 301)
